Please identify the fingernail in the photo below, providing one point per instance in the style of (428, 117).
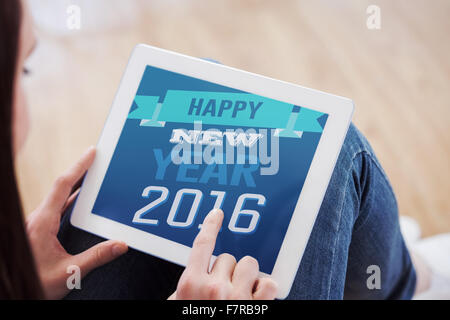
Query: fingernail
(119, 249)
(216, 211)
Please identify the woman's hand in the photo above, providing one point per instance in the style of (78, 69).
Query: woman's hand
(42, 228)
(227, 279)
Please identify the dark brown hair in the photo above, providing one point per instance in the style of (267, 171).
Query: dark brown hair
(18, 276)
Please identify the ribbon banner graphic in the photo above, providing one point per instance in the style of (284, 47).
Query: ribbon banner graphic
(225, 108)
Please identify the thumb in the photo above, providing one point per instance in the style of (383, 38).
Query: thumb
(99, 255)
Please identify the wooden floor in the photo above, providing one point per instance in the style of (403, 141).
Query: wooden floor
(398, 76)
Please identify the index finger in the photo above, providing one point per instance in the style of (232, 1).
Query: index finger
(63, 186)
(205, 242)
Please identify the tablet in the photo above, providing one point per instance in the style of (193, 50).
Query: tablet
(185, 135)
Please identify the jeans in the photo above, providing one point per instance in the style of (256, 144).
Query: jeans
(357, 227)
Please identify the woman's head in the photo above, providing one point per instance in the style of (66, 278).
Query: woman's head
(26, 44)
(18, 276)
(17, 42)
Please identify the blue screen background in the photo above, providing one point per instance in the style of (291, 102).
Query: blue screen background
(133, 167)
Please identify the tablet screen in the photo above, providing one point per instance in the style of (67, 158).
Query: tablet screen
(189, 145)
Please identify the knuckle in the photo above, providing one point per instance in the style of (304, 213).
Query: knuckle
(78, 166)
(30, 226)
(214, 290)
(32, 232)
(33, 228)
(99, 255)
(202, 239)
(62, 182)
(185, 286)
(268, 285)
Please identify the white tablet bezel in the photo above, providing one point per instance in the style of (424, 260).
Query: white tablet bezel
(339, 109)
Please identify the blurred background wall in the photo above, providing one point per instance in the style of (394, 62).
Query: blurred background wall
(398, 76)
